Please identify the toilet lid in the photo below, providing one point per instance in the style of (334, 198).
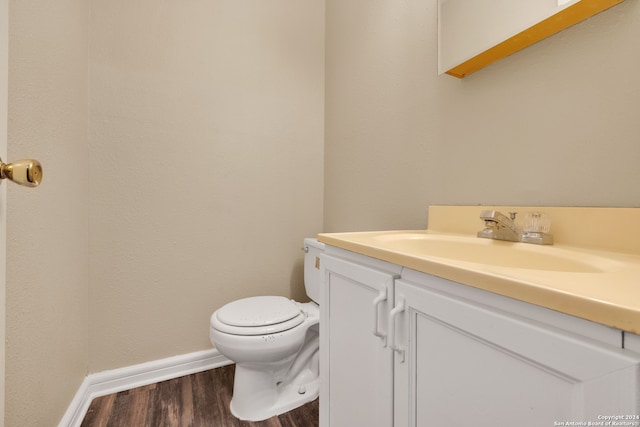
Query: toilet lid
(258, 316)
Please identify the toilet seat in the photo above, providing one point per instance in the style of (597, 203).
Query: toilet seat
(258, 316)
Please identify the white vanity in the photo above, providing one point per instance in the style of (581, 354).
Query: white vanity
(417, 338)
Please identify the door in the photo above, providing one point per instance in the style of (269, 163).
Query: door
(4, 80)
(469, 364)
(356, 364)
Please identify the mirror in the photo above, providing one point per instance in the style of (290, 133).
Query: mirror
(475, 33)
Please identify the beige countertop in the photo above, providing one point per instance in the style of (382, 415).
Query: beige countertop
(599, 285)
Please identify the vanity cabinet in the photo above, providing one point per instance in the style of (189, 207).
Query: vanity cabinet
(356, 367)
(445, 354)
(467, 363)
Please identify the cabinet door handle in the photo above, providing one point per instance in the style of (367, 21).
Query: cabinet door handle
(382, 296)
(393, 314)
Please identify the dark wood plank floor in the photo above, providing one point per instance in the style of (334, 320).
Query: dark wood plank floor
(196, 400)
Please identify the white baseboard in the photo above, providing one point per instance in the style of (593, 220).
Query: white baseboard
(116, 380)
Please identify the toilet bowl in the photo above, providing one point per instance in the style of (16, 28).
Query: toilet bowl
(274, 342)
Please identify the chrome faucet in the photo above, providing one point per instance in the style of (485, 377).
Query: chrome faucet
(500, 227)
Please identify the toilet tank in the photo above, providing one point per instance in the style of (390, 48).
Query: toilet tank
(313, 277)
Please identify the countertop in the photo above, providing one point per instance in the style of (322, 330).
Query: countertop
(608, 293)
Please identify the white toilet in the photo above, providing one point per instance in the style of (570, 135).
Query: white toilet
(275, 344)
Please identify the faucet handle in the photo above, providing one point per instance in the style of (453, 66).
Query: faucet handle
(537, 222)
(512, 215)
(536, 228)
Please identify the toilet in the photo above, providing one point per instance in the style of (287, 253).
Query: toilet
(274, 343)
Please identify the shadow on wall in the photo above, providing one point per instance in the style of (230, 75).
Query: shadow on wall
(296, 282)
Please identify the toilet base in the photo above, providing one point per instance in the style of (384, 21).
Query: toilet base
(263, 391)
(260, 404)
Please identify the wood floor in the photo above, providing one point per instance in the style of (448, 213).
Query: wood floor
(198, 400)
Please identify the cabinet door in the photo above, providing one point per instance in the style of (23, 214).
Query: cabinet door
(356, 365)
(469, 364)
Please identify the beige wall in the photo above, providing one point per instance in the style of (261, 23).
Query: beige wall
(206, 147)
(205, 143)
(47, 228)
(554, 124)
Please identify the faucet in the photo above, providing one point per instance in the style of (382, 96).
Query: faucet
(500, 227)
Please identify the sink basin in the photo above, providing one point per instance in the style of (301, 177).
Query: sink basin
(494, 252)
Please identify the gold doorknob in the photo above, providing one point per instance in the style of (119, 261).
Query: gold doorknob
(26, 172)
